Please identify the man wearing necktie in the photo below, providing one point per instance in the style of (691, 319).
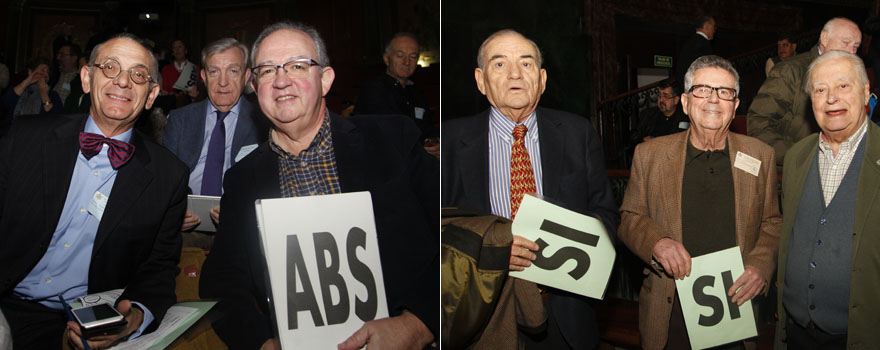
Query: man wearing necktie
(491, 160)
(212, 135)
(87, 204)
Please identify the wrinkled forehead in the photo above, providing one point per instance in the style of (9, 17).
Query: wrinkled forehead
(232, 55)
(510, 44)
(126, 51)
(715, 77)
(284, 45)
(839, 69)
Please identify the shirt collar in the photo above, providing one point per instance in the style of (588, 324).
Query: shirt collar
(319, 145)
(93, 128)
(694, 153)
(233, 111)
(504, 126)
(703, 34)
(846, 146)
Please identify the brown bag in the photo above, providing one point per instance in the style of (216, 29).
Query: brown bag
(481, 306)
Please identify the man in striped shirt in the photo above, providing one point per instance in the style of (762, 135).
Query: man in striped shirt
(559, 151)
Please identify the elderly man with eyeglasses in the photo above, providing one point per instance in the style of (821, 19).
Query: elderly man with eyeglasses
(87, 204)
(312, 151)
(719, 191)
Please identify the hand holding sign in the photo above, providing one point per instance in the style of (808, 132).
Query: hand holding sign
(521, 255)
(676, 260)
(572, 251)
(746, 286)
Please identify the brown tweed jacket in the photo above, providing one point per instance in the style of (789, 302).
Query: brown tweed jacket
(652, 210)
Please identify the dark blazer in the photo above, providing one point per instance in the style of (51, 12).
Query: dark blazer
(573, 166)
(696, 47)
(138, 243)
(380, 154)
(184, 133)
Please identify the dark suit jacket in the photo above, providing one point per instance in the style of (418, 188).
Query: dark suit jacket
(379, 154)
(696, 47)
(137, 246)
(573, 166)
(184, 134)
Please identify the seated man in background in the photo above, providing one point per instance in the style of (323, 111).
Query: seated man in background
(87, 205)
(212, 135)
(394, 93)
(666, 119)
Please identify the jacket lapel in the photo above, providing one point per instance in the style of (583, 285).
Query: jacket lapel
(552, 148)
(59, 156)
(674, 173)
(869, 182)
(131, 180)
(244, 128)
(348, 147)
(741, 182)
(474, 168)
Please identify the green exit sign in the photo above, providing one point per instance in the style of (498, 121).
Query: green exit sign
(663, 61)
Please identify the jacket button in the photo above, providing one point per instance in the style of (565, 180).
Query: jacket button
(669, 300)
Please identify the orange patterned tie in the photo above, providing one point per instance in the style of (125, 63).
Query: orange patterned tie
(522, 179)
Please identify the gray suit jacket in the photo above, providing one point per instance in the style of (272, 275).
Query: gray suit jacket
(186, 127)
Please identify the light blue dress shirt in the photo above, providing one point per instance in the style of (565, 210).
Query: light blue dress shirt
(500, 144)
(65, 266)
(195, 178)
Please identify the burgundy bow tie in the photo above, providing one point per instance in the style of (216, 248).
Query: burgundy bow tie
(119, 153)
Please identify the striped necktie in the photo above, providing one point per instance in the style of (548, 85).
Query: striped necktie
(119, 153)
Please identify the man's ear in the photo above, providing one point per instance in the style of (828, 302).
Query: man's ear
(385, 58)
(151, 97)
(85, 78)
(327, 77)
(478, 76)
(202, 73)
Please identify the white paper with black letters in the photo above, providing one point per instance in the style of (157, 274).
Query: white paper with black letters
(340, 226)
(575, 253)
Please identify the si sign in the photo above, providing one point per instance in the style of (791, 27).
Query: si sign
(575, 253)
(711, 318)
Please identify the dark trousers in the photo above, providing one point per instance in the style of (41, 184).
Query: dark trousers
(812, 338)
(678, 339)
(550, 338)
(33, 325)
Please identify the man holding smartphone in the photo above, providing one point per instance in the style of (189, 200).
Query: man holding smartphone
(87, 205)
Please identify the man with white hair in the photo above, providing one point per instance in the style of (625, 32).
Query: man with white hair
(780, 114)
(829, 272)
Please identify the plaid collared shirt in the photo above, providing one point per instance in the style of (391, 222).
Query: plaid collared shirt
(313, 171)
(831, 168)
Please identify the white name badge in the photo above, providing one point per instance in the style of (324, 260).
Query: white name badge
(747, 163)
(420, 113)
(575, 252)
(97, 205)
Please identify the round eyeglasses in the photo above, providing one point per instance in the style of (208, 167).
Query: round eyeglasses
(705, 91)
(298, 68)
(138, 74)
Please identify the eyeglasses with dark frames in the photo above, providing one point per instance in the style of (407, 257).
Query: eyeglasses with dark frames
(705, 91)
(138, 74)
(297, 68)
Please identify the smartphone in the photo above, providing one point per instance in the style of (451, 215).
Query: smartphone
(101, 316)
